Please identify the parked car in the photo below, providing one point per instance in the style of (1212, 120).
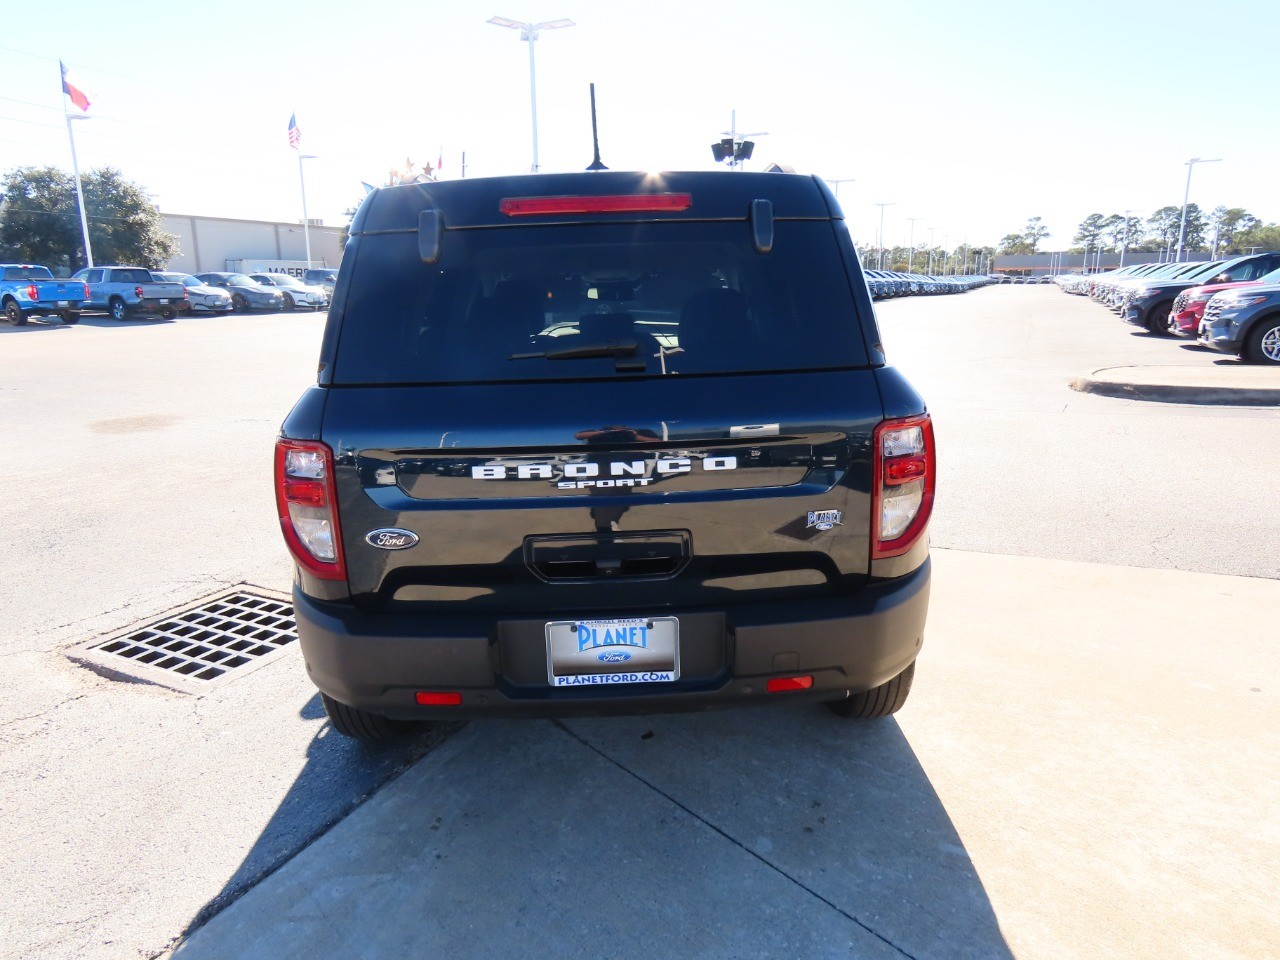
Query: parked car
(295, 292)
(28, 290)
(246, 294)
(768, 545)
(126, 292)
(326, 277)
(1245, 322)
(1188, 308)
(1152, 299)
(201, 297)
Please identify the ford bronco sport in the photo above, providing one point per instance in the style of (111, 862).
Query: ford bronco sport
(605, 443)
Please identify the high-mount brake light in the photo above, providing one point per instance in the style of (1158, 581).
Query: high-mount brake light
(307, 507)
(904, 483)
(621, 203)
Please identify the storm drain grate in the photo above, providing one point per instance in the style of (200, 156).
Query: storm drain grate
(193, 647)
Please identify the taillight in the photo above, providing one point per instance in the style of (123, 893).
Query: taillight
(137, 291)
(902, 497)
(32, 292)
(621, 203)
(307, 507)
(86, 291)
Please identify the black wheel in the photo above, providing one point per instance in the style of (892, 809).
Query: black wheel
(1158, 319)
(288, 302)
(1262, 345)
(13, 313)
(168, 313)
(118, 310)
(239, 304)
(69, 316)
(360, 725)
(880, 701)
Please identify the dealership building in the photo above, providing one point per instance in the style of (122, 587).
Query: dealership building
(217, 243)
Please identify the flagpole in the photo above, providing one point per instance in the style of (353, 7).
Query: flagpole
(306, 224)
(75, 168)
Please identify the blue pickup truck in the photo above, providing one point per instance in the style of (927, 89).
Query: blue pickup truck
(27, 290)
(130, 291)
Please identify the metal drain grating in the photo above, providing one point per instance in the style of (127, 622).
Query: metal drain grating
(194, 647)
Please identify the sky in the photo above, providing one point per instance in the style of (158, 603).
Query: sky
(970, 117)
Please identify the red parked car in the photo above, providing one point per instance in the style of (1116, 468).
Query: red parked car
(1188, 308)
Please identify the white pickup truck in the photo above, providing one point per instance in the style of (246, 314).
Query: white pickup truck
(126, 292)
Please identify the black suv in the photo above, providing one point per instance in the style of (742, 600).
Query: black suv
(605, 443)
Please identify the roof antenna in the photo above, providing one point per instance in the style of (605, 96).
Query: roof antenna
(595, 136)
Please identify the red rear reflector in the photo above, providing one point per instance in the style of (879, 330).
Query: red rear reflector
(634, 203)
(781, 684)
(428, 698)
(310, 492)
(900, 470)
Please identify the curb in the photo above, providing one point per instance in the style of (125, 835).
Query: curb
(1099, 384)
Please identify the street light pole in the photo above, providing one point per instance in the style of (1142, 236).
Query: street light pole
(931, 246)
(529, 32)
(1182, 230)
(911, 247)
(880, 240)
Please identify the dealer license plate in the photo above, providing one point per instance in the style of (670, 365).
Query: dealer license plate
(164, 301)
(64, 303)
(583, 653)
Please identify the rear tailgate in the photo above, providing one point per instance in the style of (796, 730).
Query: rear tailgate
(751, 487)
(68, 293)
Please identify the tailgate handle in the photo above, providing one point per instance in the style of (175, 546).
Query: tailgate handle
(754, 430)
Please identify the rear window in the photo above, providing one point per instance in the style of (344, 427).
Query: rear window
(27, 273)
(597, 300)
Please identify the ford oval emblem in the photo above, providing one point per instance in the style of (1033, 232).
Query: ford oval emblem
(391, 538)
(613, 656)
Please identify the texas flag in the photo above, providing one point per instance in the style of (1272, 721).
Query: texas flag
(73, 89)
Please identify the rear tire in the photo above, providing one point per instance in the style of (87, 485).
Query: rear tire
(118, 309)
(361, 725)
(69, 316)
(881, 701)
(13, 313)
(1262, 345)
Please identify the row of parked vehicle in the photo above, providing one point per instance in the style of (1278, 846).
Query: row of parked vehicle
(1230, 305)
(28, 290)
(885, 283)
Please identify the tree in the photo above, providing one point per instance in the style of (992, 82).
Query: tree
(1263, 237)
(40, 219)
(1034, 232)
(1014, 243)
(1163, 226)
(1090, 232)
(1226, 223)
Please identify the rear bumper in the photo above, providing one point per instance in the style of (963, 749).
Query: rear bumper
(377, 662)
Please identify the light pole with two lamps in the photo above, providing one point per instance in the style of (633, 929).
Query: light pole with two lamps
(1182, 230)
(529, 32)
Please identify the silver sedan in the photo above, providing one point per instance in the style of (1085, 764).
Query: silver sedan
(296, 293)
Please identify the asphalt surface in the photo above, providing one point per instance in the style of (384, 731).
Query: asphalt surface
(1074, 774)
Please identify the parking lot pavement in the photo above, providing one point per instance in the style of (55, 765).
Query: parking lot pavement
(1085, 769)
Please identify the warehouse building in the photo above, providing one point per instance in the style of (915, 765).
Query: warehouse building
(218, 243)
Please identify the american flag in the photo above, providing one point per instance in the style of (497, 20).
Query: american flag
(295, 135)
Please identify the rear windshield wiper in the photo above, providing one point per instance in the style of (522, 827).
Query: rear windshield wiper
(615, 348)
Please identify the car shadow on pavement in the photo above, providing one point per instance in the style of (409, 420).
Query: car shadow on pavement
(32, 325)
(841, 808)
(105, 321)
(787, 832)
(339, 774)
